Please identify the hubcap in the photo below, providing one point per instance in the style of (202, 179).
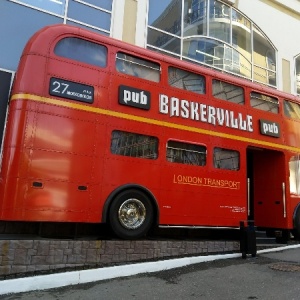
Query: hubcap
(132, 213)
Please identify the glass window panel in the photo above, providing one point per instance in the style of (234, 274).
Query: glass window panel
(185, 153)
(164, 41)
(54, 6)
(29, 20)
(165, 15)
(89, 15)
(297, 64)
(264, 102)
(245, 50)
(195, 17)
(227, 91)
(219, 21)
(294, 166)
(88, 28)
(241, 30)
(134, 145)
(264, 76)
(226, 159)
(163, 52)
(186, 80)
(264, 57)
(216, 54)
(105, 4)
(292, 110)
(200, 49)
(82, 50)
(137, 67)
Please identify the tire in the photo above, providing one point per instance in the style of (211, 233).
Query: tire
(131, 214)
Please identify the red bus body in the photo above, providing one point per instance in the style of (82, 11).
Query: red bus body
(57, 163)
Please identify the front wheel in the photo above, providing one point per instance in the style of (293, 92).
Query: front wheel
(131, 214)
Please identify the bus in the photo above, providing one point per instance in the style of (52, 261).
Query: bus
(101, 131)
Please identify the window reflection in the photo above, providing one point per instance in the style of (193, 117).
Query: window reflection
(219, 21)
(213, 33)
(297, 64)
(54, 6)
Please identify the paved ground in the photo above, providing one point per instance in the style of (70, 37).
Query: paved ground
(273, 276)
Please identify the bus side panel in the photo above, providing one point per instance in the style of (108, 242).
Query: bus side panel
(30, 74)
(99, 79)
(202, 195)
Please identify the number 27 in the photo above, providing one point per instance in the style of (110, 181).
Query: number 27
(59, 87)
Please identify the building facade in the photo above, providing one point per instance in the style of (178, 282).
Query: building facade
(253, 39)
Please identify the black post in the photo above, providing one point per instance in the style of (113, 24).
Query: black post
(247, 238)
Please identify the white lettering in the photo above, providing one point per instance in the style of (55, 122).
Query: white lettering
(174, 107)
(203, 112)
(242, 123)
(220, 116)
(211, 115)
(163, 104)
(234, 121)
(185, 109)
(144, 99)
(207, 114)
(127, 96)
(249, 123)
(195, 111)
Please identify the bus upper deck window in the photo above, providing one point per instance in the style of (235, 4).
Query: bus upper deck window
(82, 50)
(291, 110)
(264, 102)
(227, 91)
(186, 80)
(137, 67)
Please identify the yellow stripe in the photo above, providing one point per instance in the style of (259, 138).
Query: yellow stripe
(149, 121)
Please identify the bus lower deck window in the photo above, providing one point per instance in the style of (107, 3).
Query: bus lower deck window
(226, 159)
(134, 145)
(185, 153)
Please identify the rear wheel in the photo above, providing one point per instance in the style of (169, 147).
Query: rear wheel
(131, 214)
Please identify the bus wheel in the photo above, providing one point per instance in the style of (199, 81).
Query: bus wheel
(131, 214)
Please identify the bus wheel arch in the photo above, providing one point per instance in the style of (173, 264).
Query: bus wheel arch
(131, 211)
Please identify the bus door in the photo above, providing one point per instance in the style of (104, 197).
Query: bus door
(266, 190)
(5, 84)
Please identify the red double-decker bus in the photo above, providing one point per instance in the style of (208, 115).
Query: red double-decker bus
(102, 131)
